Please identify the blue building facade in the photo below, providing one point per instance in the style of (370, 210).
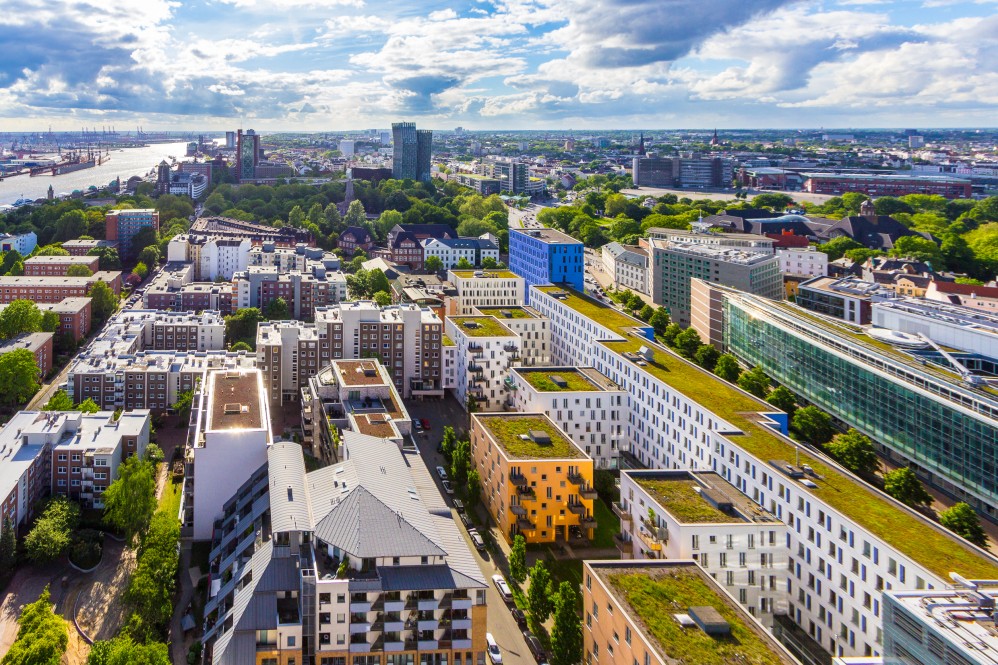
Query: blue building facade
(546, 256)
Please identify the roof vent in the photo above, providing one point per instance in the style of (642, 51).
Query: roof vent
(233, 408)
(558, 380)
(539, 436)
(710, 620)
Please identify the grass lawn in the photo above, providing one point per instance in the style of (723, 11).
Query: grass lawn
(566, 570)
(607, 525)
(169, 502)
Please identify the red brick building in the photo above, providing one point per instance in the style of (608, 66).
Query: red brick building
(74, 315)
(355, 238)
(887, 184)
(56, 266)
(53, 289)
(38, 343)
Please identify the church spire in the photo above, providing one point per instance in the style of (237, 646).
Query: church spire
(641, 145)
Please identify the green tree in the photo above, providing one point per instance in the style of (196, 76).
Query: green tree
(855, 452)
(837, 247)
(50, 321)
(671, 332)
(382, 299)
(433, 264)
(706, 356)
(646, 313)
(862, 255)
(51, 250)
(143, 238)
(812, 424)
(489, 263)
(51, 534)
(8, 545)
(660, 320)
(19, 375)
(775, 201)
(755, 381)
(59, 401)
(376, 281)
(464, 264)
(78, 270)
(518, 559)
(474, 488)
(634, 302)
(449, 442)
(783, 400)
(10, 258)
(566, 635)
(108, 258)
(727, 368)
(296, 217)
(240, 346)
(150, 255)
(334, 222)
(277, 310)
(88, 406)
(241, 326)
(123, 651)
(904, 485)
(963, 521)
(104, 301)
(183, 404)
(539, 593)
(154, 453)
(918, 248)
(130, 501)
(460, 463)
(687, 342)
(141, 269)
(42, 636)
(356, 215)
(20, 316)
(150, 590)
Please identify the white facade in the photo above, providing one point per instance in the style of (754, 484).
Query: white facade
(837, 567)
(595, 419)
(486, 288)
(627, 265)
(804, 261)
(23, 243)
(450, 253)
(347, 148)
(482, 361)
(223, 258)
(963, 328)
(534, 331)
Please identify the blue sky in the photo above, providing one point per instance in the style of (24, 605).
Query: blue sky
(500, 64)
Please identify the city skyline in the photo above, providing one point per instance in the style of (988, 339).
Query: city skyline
(510, 64)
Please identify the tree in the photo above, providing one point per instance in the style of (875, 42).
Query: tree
(634, 302)
(918, 248)
(88, 406)
(755, 381)
(277, 310)
(50, 536)
(8, 545)
(78, 270)
(149, 255)
(837, 247)
(141, 270)
(776, 201)
(376, 281)
(42, 636)
(538, 594)
(19, 376)
(727, 368)
(123, 651)
(671, 332)
(104, 301)
(20, 316)
(433, 264)
(50, 321)
(687, 342)
(489, 263)
(296, 217)
(963, 521)
(154, 454)
(812, 424)
(382, 299)
(855, 452)
(449, 442)
(356, 215)
(130, 501)
(904, 485)
(464, 264)
(51, 250)
(706, 356)
(566, 635)
(240, 346)
(460, 463)
(59, 401)
(241, 326)
(183, 404)
(150, 591)
(660, 320)
(474, 488)
(646, 313)
(518, 560)
(144, 237)
(783, 400)
(109, 259)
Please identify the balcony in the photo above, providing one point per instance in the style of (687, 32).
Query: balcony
(476, 368)
(476, 349)
(577, 509)
(518, 510)
(623, 545)
(509, 384)
(651, 542)
(587, 522)
(518, 479)
(588, 492)
(511, 348)
(526, 493)
(620, 511)
(575, 477)
(525, 524)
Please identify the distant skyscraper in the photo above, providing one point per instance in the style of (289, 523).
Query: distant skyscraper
(347, 148)
(247, 154)
(230, 140)
(412, 149)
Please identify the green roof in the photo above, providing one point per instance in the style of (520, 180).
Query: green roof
(501, 312)
(448, 341)
(601, 313)
(506, 430)
(679, 498)
(654, 597)
(932, 546)
(468, 274)
(482, 326)
(575, 380)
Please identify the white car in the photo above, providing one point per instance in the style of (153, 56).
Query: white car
(494, 654)
(476, 540)
(502, 587)
(442, 472)
(447, 487)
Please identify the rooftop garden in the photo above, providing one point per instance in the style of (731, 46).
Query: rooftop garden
(575, 381)
(654, 597)
(506, 430)
(482, 326)
(600, 313)
(506, 312)
(924, 542)
(448, 341)
(677, 496)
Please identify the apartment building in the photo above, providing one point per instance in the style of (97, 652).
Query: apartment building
(533, 329)
(121, 226)
(226, 227)
(664, 612)
(804, 261)
(54, 289)
(40, 344)
(536, 482)
(22, 243)
(485, 350)
(587, 406)
(485, 288)
(228, 439)
(303, 291)
(847, 542)
(75, 316)
(405, 338)
(212, 257)
(351, 394)
(847, 298)
(627, 265)
(451, 251)
(285, 259)
(56, 266)
(405, 241)
(83, 247)
(747, 242)
(402, 590)
(546, 256)
(173, 289)
(698, 515)
(25, 459)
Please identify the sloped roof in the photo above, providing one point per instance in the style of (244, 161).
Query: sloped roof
(289, 501)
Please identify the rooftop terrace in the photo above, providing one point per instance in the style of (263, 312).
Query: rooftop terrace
(235, 400)
(512, 432)
(481, 326)
(358, 372)
(923, 541)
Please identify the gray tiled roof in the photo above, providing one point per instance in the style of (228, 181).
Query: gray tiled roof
(289, 501)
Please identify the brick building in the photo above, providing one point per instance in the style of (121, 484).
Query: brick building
(54, 289)
(39, 343)
(49, 266)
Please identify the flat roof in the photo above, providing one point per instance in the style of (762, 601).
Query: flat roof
(234, 400)
(699, 497)
(481, 326)
(576, 379)
(375, 424)
(957, 613)
(887, 176)
(511, 312)
(359, 372)
(485, 274)
(513, 433)
(915, 537)
(652, 593)
(850, 285)
(86, 258)
(548, 235)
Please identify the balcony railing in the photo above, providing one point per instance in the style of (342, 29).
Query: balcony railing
(518, 510)
(476, 368)
(588, 492)
(575, 477)
(577, 509)
(623, 513)
(518, 479)
(525, 524)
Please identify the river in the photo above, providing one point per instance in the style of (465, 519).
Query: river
(124, 163)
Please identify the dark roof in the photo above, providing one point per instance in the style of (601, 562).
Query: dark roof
(358, 234)
(398, 238)
(751, 213)
(875, 231)
(421, 231)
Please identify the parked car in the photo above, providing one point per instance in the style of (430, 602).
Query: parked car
(476, 540)
(426, 423)
(459, 505)
(519, 617)
(465, 520)
(502, 587)
(493, 648)
(442, 472)
(535, 647)
(416, 425)
(447, 487)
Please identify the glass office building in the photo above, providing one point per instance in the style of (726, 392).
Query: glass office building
(922, 414)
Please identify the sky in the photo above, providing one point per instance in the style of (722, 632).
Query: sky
(312, 65)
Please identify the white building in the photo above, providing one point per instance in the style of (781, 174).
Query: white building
(347, 148)
(964, 328)
(212, 257)
(22, 243)
(231, 432)
(627, 265)
(450, 251)
(802, 261)
(485, 288)
(534, 331)
(586, 405)
(847, 542)
(700, 516)
(486, 349)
